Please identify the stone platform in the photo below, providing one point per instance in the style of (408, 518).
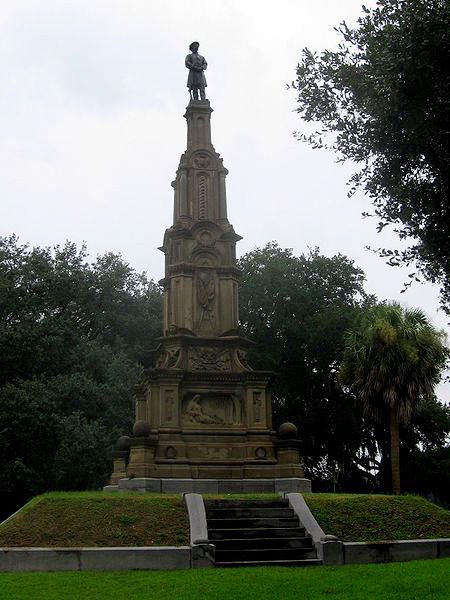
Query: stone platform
(211, 486)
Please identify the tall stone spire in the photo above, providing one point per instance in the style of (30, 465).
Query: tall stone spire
(201, 277)
(202, 413)
(200, 189)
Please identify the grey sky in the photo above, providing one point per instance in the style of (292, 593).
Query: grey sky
(93, 94)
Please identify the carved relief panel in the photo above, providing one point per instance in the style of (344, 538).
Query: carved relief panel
(209, 359)
(212, 453)
(169, 359)
(169, 409)
(211, 410)
(258, 408)
(206, 294)
(201, 160)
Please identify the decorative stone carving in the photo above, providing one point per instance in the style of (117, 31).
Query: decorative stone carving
(241, 359)
(261, 452)
(173, 356)
(171, 452)
(196, 413)
(257, 404)
(201, 160)
(169, 405)
(169, 359)
(212, 410)
(203, 197)
(209, 359)
(213, 453)
(206, 239)
(206, 294)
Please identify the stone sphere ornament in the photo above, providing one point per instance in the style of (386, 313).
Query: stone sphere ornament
(141, 429)
(287, 431)
(123, 443)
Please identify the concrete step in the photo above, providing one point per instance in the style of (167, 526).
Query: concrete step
(249, 512)
(308, 562)
(256, 532)
(245, 503)
(248, 523)
(245, 543)
(264, 554)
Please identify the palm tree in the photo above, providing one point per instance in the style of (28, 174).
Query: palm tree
(392, 360)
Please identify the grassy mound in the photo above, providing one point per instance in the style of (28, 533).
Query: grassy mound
(370, 518)
(94, 519)
(90, 519)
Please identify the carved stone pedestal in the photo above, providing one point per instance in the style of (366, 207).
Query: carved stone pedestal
(210, 414)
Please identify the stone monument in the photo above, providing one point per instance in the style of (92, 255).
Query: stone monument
(203, 415)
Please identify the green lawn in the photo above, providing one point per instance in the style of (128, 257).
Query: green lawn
(63, 519)
(368, 518)
(421, 580)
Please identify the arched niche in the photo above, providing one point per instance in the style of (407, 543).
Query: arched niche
(206, 257)
(202, 159)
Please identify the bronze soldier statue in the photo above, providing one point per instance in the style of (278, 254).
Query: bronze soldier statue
(196, 64)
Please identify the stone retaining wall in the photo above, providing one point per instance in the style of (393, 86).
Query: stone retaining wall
(96, 559)
(334, 552)
(401, 550)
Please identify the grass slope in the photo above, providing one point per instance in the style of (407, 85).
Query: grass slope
(366, 518)
(62, 519)
(424, 580)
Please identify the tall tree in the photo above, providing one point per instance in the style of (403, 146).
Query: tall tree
(72, 335)
(297, 308)
(382, 101)
(392, 361)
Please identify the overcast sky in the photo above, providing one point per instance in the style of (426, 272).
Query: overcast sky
(92, 128)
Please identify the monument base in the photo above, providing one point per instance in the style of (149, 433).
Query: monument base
(211, 486)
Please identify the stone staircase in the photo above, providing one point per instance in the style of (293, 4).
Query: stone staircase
(256, 533)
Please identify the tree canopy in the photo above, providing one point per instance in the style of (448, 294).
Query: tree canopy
(392, 361)
(297, 309)
(71, 336)
(382, 102)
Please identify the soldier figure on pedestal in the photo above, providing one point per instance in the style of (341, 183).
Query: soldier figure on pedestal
(196, 79)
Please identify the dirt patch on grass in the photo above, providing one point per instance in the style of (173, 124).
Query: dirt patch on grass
(93, 520)
(366, 518)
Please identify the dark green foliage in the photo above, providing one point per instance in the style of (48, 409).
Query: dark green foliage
(71, 336)
(393, 359)
(425, 453)
(83, 457)
(297, 310)
(382, 101)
